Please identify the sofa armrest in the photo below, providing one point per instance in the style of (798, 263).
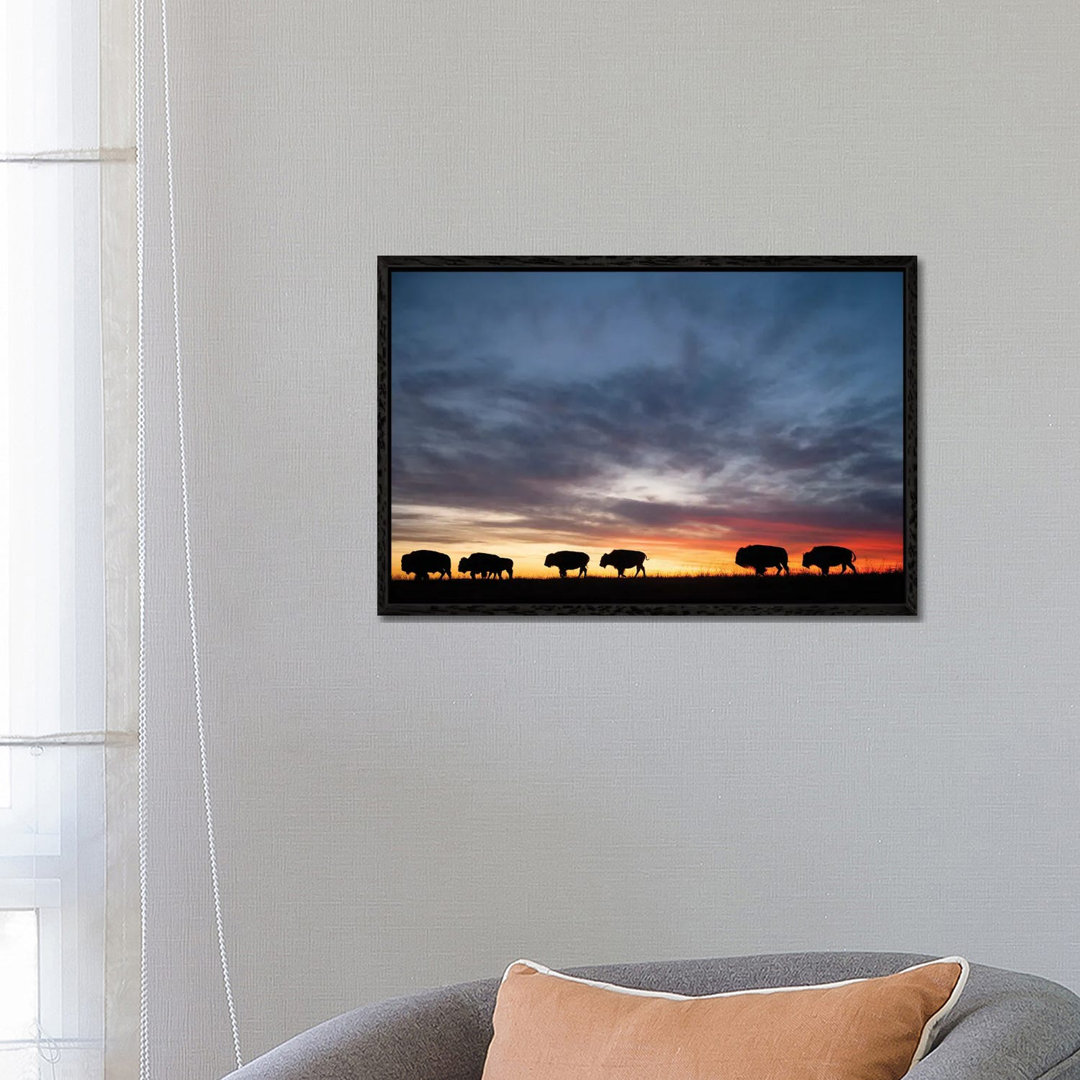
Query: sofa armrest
(1007, 1026)
(440, 1034)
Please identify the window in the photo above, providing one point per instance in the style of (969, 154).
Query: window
(52, 590)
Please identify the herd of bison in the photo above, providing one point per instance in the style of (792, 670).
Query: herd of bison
(424, 564)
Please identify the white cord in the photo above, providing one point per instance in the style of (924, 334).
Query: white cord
(207, 803)
(140, 215)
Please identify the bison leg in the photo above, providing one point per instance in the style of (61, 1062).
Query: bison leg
(642, 569)
(583, 571)
(825, 569)
(562, 571)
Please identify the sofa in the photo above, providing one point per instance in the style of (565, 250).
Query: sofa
(1006, 1026)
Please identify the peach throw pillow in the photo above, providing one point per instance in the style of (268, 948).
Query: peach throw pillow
(550, 1026)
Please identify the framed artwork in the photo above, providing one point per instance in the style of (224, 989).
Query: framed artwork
(699, 436)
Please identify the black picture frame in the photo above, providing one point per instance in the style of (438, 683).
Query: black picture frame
(753, 593)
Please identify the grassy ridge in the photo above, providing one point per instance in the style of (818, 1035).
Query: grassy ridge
(801, 588)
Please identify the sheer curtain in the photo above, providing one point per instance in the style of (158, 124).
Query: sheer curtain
(64, 204)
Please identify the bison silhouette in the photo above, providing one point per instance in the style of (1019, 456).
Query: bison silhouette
(569, 560)
(422, 563)
(481, 564)
(825, 556)
(761, 557)
(622, 559)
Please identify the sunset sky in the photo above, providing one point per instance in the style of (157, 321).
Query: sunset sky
(684, 414)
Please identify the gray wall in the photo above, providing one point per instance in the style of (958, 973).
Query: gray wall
(409, 803)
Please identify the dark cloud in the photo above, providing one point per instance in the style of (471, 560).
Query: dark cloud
(781, 404)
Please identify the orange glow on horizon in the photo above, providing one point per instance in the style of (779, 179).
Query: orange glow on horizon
(666, 556)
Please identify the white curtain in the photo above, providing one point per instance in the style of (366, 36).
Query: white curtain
(64, 201)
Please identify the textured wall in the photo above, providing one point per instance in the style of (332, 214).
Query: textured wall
(407, 803)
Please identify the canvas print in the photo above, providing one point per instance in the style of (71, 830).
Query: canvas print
(647, 436)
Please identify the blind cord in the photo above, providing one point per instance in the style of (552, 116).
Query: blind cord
(143, 815)
(140, 455)
(211, 847)
(197, 679)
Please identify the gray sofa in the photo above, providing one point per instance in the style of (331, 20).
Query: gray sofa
(1006, 1026)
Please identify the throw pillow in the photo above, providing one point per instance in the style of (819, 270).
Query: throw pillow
(551, 1026)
